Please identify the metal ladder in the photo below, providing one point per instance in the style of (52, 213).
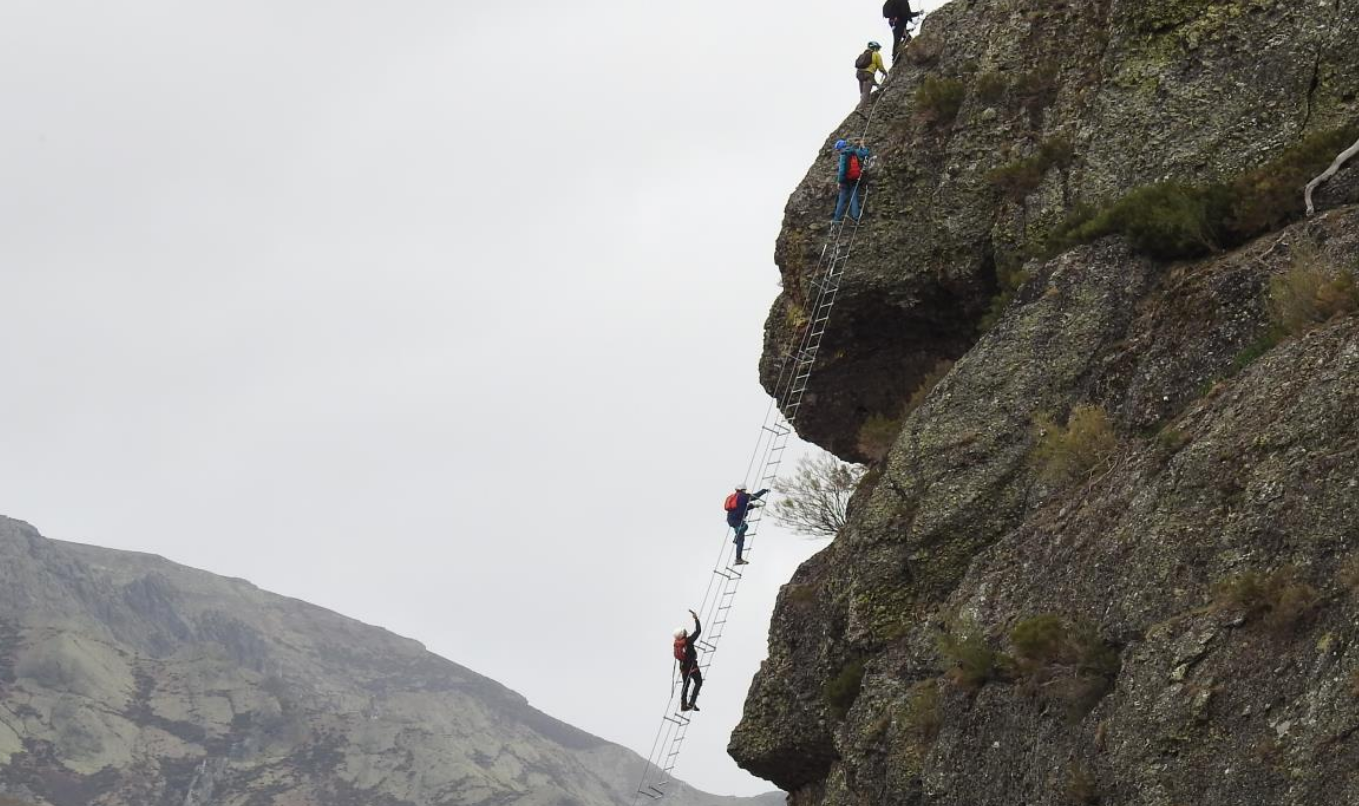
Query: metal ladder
(794, 376)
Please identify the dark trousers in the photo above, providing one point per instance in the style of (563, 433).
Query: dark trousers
(898, 34)
(849, 197)
(740, 539)
(697, 677)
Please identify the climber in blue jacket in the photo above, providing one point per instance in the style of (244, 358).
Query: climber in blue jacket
(738, 506)
(849, 175)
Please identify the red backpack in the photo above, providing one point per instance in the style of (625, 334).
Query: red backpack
(730, 503)
(681, 646)
(854, 170)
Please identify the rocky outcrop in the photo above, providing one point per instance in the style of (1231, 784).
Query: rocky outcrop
(1203, 574)
(127, 680)
(1122, 92)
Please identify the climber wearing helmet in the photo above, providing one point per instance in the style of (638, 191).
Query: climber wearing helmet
(866, 69)
(737, 505)
(688, 664)
(850, 176)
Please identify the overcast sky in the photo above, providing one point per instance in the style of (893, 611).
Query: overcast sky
(444, 315)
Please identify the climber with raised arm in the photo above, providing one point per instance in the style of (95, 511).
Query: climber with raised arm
(738, 505)
(849, 175)
(899, 16)
(687, 656)
(866, 69)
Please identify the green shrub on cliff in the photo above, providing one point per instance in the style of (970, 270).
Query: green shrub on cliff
(1039, 640)
(1082, 788)
(877, 436)
(1022, 177)
(1279, 600)
(1165, 221)
(841, 691)
(921, 714)
(939, 99)
(967, 659)
(1270, 196)
(990, 87)
(1311, 292)
(1065, 453)
(1253, 351)
(1174, 220)
(1068, 664)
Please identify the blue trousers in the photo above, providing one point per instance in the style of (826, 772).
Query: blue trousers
(740, 539)
(849, 194)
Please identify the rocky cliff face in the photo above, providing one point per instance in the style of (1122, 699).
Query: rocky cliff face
(1002, 622)
(127, 680)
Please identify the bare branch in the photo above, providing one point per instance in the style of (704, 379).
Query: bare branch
(1328, 173)
(814, 500)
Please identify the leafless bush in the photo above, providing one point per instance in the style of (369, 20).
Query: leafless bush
(814, 501)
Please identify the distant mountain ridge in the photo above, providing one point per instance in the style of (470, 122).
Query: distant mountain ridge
(128, 680)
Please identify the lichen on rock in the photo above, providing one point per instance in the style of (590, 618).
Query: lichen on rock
(1234, 448)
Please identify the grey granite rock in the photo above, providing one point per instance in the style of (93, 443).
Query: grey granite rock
(127, 680)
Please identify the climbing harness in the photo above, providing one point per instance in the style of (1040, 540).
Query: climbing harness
(795, 372)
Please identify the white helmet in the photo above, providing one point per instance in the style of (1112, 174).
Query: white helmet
(681, 632)
(741, 486)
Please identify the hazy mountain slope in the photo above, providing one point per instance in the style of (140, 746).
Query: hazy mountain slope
(127, 680)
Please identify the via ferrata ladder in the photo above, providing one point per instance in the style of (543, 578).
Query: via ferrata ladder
(794, 376)
(795, 372)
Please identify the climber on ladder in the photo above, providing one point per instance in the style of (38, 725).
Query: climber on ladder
(866, 69)
(687, 656)
(738, 505)
(849, 174)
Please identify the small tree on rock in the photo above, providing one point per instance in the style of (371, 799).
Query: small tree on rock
(814, 500)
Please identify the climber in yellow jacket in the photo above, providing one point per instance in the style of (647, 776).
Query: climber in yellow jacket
(866, 68)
